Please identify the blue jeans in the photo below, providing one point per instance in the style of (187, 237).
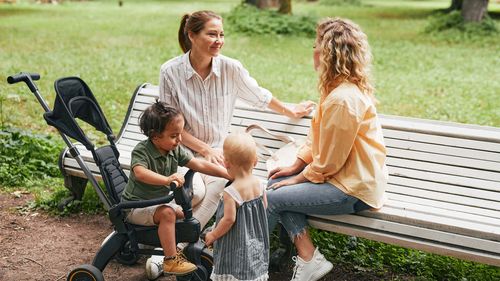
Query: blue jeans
(291, 204)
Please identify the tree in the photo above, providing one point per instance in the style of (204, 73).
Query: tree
(471, 10)
(285, 6)
(474, 10)
(456, 5)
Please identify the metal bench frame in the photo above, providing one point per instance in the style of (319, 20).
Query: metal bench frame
(444, 182)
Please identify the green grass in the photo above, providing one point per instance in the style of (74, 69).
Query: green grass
(116, 48)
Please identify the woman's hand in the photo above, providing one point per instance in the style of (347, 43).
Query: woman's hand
(302, 109)
(282, 172)
(299, 178)
(295, 168)
(214, 155)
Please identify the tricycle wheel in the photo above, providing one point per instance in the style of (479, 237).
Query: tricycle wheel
(204, 269)
(85, 272)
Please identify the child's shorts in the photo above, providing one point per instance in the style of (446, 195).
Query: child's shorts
(144, 216)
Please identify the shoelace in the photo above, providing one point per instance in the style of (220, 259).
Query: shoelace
(297, 269)
(179, 258)
(159, 265)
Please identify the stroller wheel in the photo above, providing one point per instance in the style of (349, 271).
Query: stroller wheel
(126, 256)
(85, 272)
(204, 269)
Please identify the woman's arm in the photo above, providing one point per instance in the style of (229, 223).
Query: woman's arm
(249, 91)
(336, 135)
(300, 110)
(210, 154)
(226, 221)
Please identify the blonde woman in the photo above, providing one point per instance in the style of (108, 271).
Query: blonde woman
(341, 168)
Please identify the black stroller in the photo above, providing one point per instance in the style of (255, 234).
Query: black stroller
(75, 100)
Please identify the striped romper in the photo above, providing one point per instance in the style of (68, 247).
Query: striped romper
(243, 252)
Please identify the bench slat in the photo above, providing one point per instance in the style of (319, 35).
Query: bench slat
(442, 178)
(445, 188)
(418, 163)
(432, 202)
(442, 149)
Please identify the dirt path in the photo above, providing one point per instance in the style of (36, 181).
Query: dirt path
(35, 246)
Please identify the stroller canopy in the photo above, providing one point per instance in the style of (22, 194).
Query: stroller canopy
(75, 100)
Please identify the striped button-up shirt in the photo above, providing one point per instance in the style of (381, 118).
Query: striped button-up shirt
(208, 105)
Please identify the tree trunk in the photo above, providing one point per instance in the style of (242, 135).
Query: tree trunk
(474, 10)
(251, 2)
(266, 4)
(456, 5)
(285, 7)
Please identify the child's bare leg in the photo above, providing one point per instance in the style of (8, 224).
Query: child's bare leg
(165, 218)
(173, 262)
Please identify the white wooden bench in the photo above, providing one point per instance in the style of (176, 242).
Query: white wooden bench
(444, 183)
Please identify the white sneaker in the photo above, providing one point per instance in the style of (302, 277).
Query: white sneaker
(154, 267)
(311, 270)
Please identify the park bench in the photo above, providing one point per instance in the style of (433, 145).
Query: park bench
(444, 180)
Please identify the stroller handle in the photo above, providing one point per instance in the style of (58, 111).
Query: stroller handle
(25, 77)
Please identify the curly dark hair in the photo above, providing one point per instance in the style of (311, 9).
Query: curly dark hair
(156, 117)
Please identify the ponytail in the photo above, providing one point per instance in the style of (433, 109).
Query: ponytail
(184, 41)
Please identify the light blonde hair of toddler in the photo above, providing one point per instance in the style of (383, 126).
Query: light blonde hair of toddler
(240, 150)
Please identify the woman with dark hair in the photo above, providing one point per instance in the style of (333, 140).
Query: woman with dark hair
(204, 85)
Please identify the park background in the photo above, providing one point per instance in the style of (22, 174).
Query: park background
(422, 69)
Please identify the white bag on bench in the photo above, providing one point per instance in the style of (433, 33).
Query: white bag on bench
(284, 156)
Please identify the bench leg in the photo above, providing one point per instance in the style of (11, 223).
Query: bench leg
(76, 186)
(281, 258)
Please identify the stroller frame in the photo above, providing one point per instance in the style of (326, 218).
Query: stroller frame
(75, 100)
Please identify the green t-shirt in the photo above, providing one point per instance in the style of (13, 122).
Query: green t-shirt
(146, 155)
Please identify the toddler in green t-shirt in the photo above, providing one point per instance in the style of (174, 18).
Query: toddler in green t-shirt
(153, 167)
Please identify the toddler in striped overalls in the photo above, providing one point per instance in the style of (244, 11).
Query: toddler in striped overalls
(240, 236)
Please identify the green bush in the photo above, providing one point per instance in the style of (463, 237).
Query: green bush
(340, 2)
(453, 25)
(249, 20)
(50, 201)
(376, 257)
(26, 157)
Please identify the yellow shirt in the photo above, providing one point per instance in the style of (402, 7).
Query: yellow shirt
(345, 146)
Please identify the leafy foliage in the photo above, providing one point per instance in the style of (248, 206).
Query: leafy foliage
(50, 201)
(368, 255)
(454, 24)
(26, 157)
(248, 19)
(340, 2)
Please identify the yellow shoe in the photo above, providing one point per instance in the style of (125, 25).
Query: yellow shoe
(178, 266)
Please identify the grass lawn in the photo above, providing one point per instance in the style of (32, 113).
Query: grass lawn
(114, 49)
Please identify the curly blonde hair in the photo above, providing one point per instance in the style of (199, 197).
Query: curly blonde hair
(344, 56)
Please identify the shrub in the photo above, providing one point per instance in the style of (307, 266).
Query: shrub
(453, 24)
(376, 257)
(26, 157)
(340, 2)
(248, 19)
